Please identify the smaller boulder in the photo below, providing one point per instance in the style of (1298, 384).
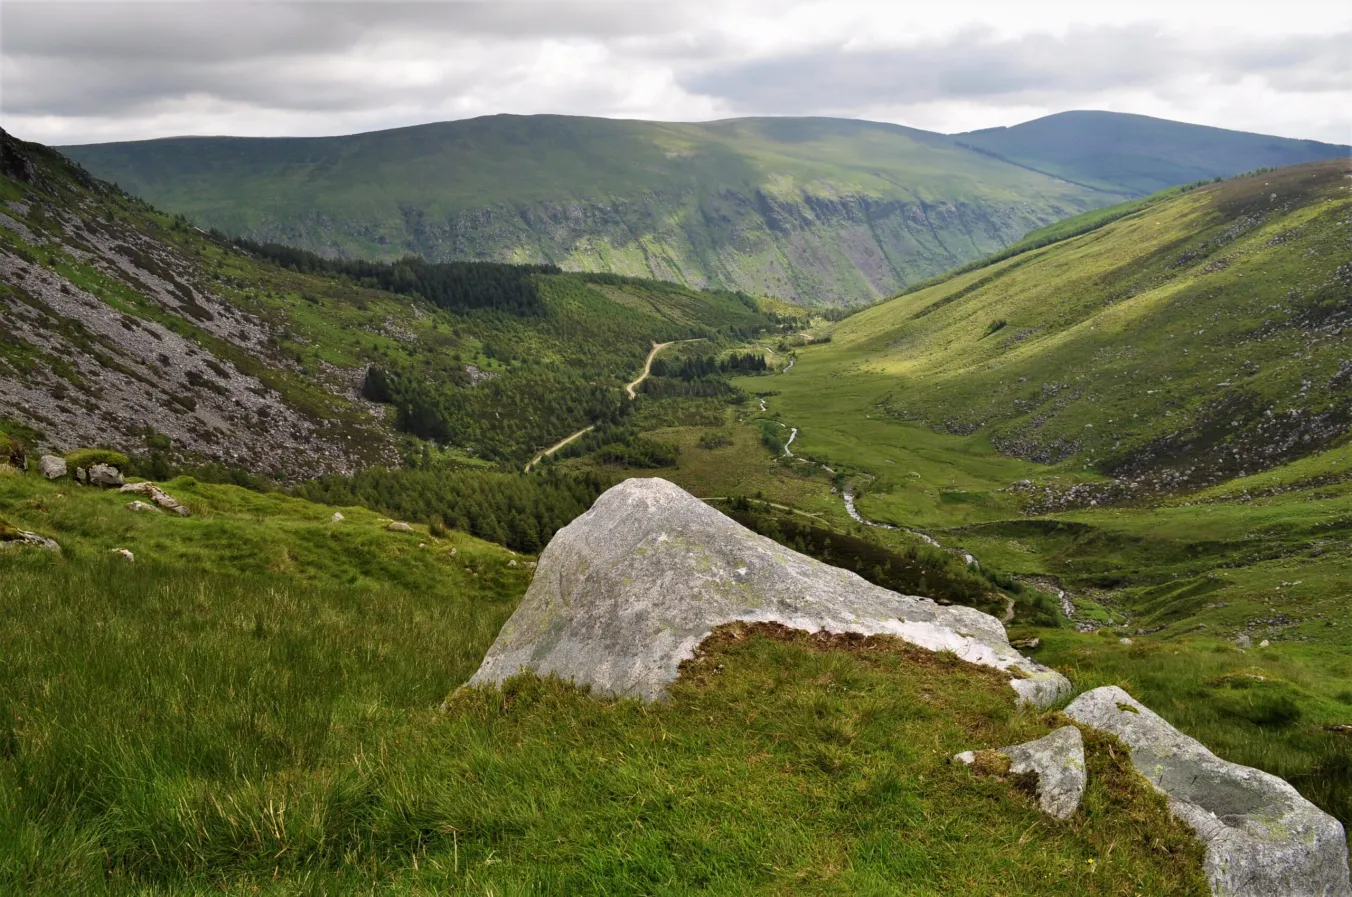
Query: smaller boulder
(1262, 837)
(141, 506)
(125, 554)
(104, 475)
(23, 538)
(52, 466)
(337, 517)
(399, 526)
(1025, 644)
(1265, 644)
(158, 496)
(1243, 641)
(1058, 763)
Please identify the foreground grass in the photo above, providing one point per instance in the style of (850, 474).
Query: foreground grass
(172, 733)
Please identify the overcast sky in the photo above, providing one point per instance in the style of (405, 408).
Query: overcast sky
(120, 69)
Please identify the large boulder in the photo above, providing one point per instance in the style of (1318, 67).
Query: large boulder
(1057, 761)
(52, 466)
(1262, 838)
(628, 590)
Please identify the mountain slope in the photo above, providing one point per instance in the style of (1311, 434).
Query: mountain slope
(818, 210)
(123, 327)
(1202, 337)
(1137, 154)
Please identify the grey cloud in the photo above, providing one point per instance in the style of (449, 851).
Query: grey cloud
(975, 65)
(81, 59)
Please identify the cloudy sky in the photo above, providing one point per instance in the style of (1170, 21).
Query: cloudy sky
(73, 72)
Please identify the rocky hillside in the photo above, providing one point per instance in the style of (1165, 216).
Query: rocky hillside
(821, 211)
(126, 328)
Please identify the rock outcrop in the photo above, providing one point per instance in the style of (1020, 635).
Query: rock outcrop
(1057, 761)
(157, 495)
(1262, 838)
(628, 590)
(399, 526)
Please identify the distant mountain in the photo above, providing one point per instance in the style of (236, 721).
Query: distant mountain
(1137, 154)
(816, 210)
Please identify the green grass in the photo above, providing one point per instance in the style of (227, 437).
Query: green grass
(174, 732)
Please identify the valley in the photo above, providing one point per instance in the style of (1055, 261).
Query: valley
(1124, 435)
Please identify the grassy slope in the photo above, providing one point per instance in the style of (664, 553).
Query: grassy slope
(1139, 154)
(251, 708)
(813, 209)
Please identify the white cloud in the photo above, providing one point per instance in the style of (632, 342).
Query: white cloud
(94, 71)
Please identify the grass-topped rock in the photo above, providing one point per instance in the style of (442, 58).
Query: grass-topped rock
(629, 590)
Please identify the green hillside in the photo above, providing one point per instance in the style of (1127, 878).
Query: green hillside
(815, 210)
(1137, 154)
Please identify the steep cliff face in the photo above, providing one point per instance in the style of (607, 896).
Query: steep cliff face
(830, 249)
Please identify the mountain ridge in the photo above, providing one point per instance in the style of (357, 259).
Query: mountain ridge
(818, 210)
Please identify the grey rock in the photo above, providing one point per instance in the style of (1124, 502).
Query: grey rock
(1261, 837)
(158, 496)
(399, 527)
(104, 475)
(1058, 762)
(52, 466)
(1264, 644)
(1243, 640)
(628, 590)
(125, 554)
(30, 540)
(337, 517)
(141, 506)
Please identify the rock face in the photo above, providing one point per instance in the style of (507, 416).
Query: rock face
(1058, 762)
(52, 467)
(1262, 838)
(629, 589)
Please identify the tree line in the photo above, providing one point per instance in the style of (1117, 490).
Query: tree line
(454, 286)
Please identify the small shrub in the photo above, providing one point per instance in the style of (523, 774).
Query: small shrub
(994, 326)
(715, 439)
(89, 457)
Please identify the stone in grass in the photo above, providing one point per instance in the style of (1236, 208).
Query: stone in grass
(141, 506)
(337, 517)
(52, 466)
(1058, 763)
(12, 536)
(125, 554)
(1262, 838)
(630, 589)
(399, 526)
(158, 496)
